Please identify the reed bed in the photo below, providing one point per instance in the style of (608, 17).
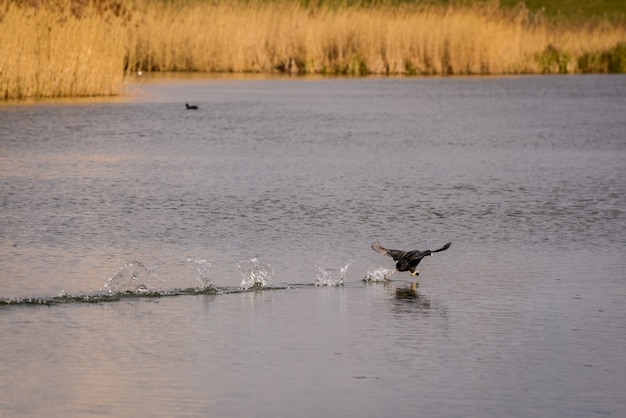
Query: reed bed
(358, 40)
(75, 47)
(55, 53)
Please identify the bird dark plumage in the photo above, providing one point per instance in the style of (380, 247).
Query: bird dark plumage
(407, 260)
(191, 107)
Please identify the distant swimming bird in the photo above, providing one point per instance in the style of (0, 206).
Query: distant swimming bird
(192, 107)
(406, 260)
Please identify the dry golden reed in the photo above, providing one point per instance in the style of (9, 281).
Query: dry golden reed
(45, 53)
(82, 48)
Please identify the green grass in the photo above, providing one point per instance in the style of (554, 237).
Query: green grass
(578, 10)
(575, 9)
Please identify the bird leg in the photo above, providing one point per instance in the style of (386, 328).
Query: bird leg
(415, 273)
(389, 274)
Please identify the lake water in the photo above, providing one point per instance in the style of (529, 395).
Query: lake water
(164, 262)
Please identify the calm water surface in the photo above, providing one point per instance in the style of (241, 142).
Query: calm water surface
(282, 184)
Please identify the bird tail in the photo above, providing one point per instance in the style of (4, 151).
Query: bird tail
(445, 247)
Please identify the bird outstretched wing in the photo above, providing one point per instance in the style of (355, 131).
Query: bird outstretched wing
(395, 254)
(445, 247)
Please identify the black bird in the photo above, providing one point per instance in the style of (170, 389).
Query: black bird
(407, 260)
(192, 107)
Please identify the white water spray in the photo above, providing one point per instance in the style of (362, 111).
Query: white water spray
(134, 277)
(203, 268)
(331, 276)
(377, 275)
(256, 274)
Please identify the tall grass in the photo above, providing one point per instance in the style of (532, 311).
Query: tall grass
(379, 38)
(47, 53)
(73, 47)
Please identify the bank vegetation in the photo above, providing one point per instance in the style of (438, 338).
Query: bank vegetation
(79, 48)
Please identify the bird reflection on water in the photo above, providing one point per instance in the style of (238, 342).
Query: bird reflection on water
(407, 292)
(410, 294)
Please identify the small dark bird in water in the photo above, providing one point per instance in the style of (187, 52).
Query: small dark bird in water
(191, 107)
(407, 260)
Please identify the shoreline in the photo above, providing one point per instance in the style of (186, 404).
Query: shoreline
(132, 87)
(91, 51)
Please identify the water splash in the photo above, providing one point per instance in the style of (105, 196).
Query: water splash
(331, 277)
(377, 275)
(202, 268)
(133, 277)
(255, 274)
(135, 280)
